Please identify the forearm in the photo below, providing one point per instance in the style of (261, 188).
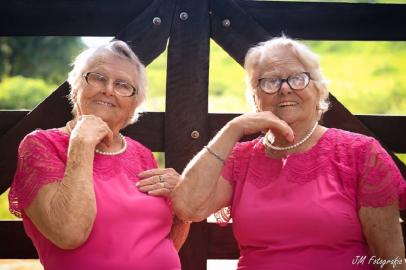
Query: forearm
(191, 198)
(383, 233)
(69, 216)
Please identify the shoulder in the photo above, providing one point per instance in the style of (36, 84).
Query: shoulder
(347, 140)
(45, 139)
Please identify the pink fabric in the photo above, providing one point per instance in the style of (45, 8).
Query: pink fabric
(131, 228)
(300, 212)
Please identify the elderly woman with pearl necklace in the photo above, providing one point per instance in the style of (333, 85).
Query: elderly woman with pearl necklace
(303, 196)
(76, 186)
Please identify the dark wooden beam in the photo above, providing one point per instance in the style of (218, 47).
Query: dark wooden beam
(233, 29)
(329, 21)
(9, 118)
(54, 111)
(148, 33)
(187, 105)
(68, 18)
(222, 244)
(149, 130)
(15, 244)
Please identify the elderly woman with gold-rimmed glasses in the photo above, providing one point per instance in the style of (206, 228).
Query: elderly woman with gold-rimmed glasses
(76, 186)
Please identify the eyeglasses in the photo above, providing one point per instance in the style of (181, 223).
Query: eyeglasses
(298, 81)
(99, 81)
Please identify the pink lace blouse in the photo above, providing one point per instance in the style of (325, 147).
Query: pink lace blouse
(131, 228)
(301, 212)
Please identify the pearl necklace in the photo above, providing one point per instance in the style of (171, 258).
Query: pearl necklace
(118, 152)
(270, 139)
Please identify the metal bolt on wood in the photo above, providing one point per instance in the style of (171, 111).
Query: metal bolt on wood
(184, 16)
(195, 134)
(156, 21)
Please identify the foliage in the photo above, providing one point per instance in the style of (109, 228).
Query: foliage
(4, 212)
(41, 57)
(23, 93)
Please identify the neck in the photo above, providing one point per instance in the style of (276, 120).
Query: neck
(306, 135)
(300, 130)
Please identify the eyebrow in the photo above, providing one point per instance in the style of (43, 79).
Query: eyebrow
(274, 74)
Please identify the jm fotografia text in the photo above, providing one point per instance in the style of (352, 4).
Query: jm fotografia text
(359, 260)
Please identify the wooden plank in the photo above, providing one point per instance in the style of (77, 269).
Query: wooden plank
(242, 33)
(329, 21)
(222, 244)
(187, 105)
(15, 243)
(68, 18)
(149, 130)
(53, 112)
(9, 118)
(142, 31)
(390, 130)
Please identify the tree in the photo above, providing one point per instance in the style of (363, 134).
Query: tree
(38, 57)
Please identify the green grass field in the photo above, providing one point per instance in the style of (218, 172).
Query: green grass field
(367, 77)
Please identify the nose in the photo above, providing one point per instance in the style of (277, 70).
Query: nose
(108, 89)
(285, 88)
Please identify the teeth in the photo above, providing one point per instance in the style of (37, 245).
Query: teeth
(288, 103)
(104, 103)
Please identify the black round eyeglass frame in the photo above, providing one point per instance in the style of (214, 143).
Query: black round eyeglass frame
(282, 80)
(134, 92)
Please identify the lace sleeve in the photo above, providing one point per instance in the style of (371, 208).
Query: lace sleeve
(380, 182)
(38, 164)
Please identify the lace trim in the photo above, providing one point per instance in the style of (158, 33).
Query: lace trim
(223, 216)
(380, 182)
(37, 165)
(366, 170)
(42, 160)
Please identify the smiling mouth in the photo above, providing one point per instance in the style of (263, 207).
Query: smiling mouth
(286, 104)
(104, 103)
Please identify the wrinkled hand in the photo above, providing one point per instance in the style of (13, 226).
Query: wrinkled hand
(251, 123)
(158, 182)
(92, 130)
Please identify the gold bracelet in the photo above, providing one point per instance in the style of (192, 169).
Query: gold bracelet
(214, 154)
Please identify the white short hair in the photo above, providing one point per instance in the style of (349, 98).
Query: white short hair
(259, 58)
(120, 49)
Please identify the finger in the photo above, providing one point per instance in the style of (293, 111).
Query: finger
(147, 181)
(281, 127)
(287, 131)
(163, 192)
(152, 187)
(152, 172)
(109, 137)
